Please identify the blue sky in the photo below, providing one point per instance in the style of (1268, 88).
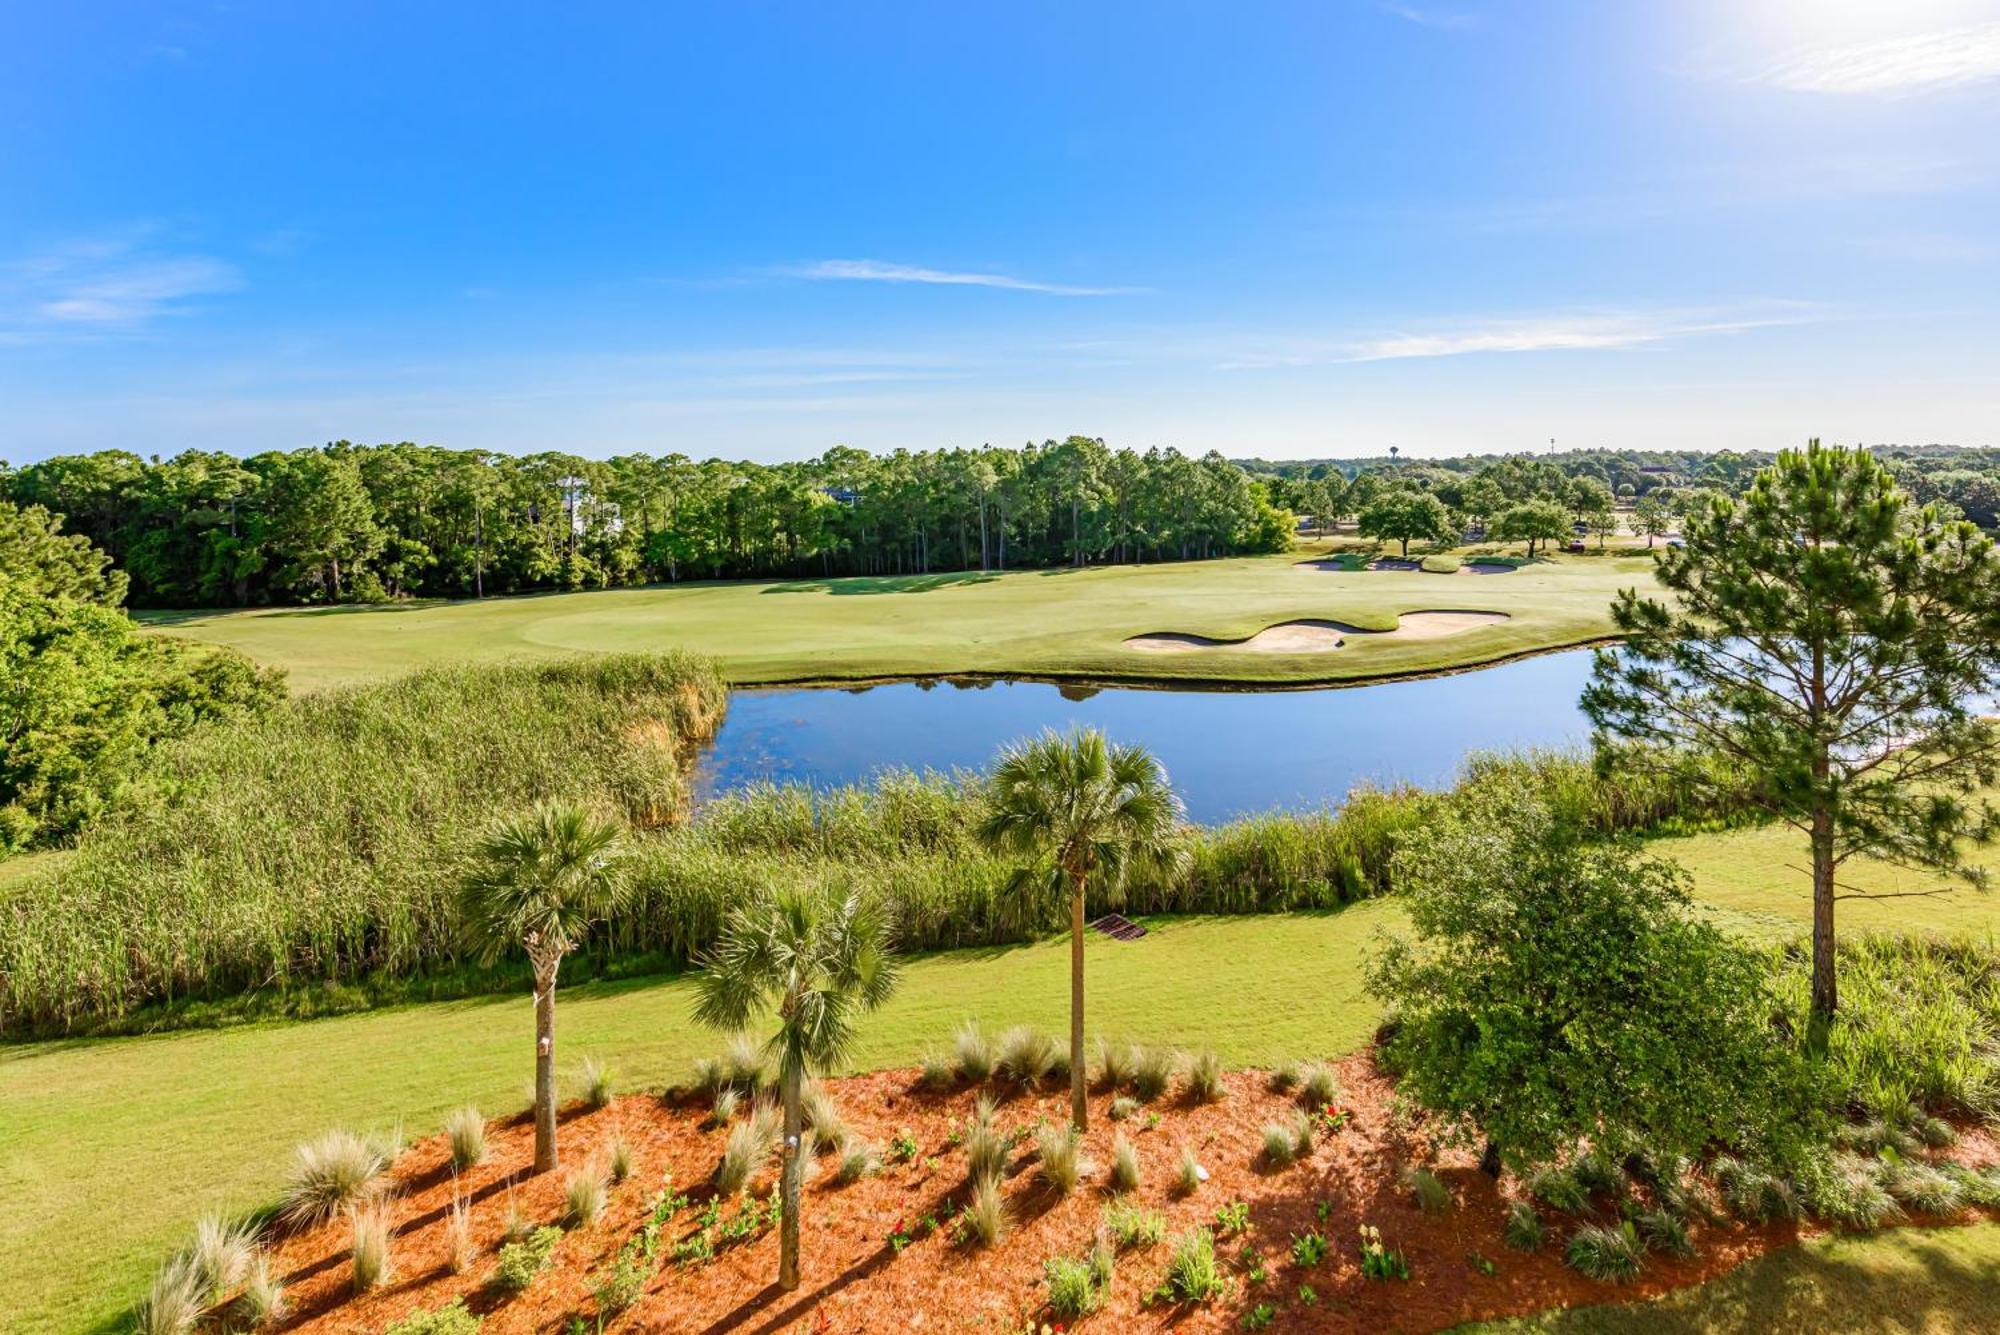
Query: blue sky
(759, 230)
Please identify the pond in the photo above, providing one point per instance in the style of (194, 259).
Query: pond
(1229, 753)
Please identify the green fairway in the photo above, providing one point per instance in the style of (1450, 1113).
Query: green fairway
(1051, 622)
(1937, 1281)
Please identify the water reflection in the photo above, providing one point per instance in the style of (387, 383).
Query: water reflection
(1228, 752)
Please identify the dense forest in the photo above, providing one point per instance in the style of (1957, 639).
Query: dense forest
(349, 522)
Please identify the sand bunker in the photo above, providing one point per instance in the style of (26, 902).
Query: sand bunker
(1306, 637)
(1395, 565)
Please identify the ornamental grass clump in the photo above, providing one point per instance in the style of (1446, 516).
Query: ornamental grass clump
(826, 1129)
(174, 1302)
(262, 1301)
(1318, 1085)
(1132, 1226)
(1190, 1176)
(856, 1162)
(1078, 1285)
(1059, 1155)
(749, 1148)
(1027, 1056)
(973, 1051)
(583, 1198)
(466, 1131)
(220, 1255)
(329, 1175)
(598, 1084)
(619, 1160)
(1665, 1232)
(1152, 1072)
(1524, 1231)
(1920, 1188)
(985, 1213)
(985, 1147)
(1431, 1194)
(1193, 1274)
(1204, 1077)
(1124, 1175)
(1111, 1063)
(1605, 1252)
(1558, 1189)
(936, 1071)
(371, 1262)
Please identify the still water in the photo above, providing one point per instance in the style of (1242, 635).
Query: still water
(1229, 753)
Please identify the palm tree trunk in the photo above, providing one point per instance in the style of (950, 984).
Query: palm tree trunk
(1079, 1111)
(545, 1068)
(789, 1182)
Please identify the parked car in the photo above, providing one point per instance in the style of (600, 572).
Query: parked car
(1578, 545)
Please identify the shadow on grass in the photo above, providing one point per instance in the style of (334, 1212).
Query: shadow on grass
(873, 584)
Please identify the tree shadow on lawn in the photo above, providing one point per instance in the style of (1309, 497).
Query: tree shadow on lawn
(850, 585)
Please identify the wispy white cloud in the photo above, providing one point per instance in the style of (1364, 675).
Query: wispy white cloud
(106, 283)
(1894, 67)
(1445, 19)
(1577, 332)
(880, 271)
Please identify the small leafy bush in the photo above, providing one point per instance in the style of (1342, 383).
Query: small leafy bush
(1232, 1218)
(522, 1261)
(1558, 1189)
(623, 1286)
(1309, 1249)
(451, 1319)
(1131, 1225)
(1124, 1165)
(1260, 1317)
(1605, 1253)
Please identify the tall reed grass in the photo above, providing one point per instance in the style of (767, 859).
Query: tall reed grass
(318, 847)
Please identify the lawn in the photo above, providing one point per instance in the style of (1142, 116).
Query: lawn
(1938, 1281)
(1049, 622)
(206, 1119)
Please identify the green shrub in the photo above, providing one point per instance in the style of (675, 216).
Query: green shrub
(1524, 1232)
(1232, 1218)
(1059, 1151)
(1597, 1174)
(523, 1260)
(1260, 1317)
(451, 1319)
(1131, 1225)
(583, 1198)
(1604, 1253)
(1309, 1249)
(1124, 1174)
(329, 1175)
(466, 1130)
(623, 1286)
(1753, 1194)
(1558, 1189)
(1530, 940)
(1204, 1077)
(371, 1262)
(1193, 1273)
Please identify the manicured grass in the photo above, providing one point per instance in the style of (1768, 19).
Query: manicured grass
(110, 1149)
(1937, 1280)
(1056, 622)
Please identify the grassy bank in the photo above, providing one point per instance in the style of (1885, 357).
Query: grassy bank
(1941, 1281)
(1053, 622)
(317, 841)
(298, 870)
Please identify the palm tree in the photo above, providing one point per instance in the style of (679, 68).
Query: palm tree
(814, 960)
(1083, 812)
(538, 881)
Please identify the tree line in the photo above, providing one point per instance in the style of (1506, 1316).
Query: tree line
(346, 522)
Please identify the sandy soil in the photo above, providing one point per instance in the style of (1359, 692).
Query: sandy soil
(854, 1280)
(1313, 636)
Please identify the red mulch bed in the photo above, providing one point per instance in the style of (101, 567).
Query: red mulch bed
(853, 1281)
